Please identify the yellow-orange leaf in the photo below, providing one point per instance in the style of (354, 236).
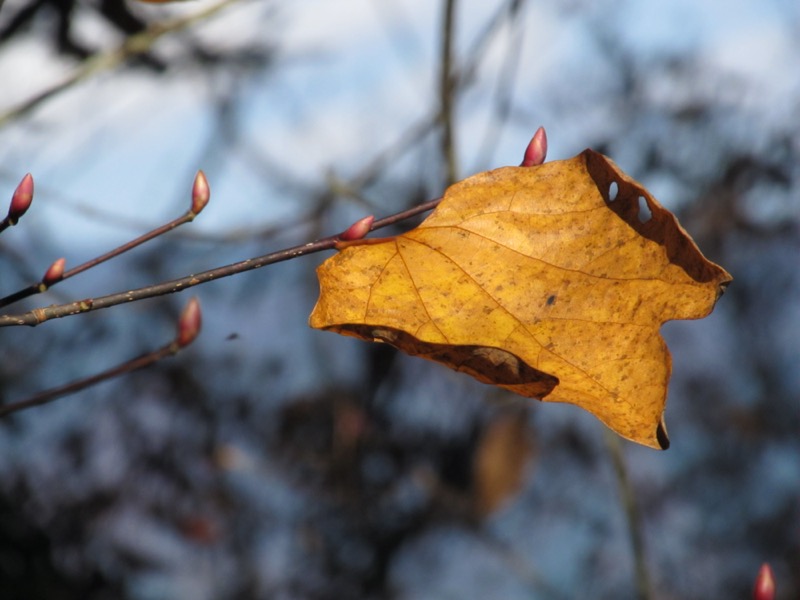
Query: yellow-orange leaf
(550, 281)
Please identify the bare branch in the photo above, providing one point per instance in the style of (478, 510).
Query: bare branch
(447, 87)
(187, 331)
(40, 315)
(200, 197)
(534, 154)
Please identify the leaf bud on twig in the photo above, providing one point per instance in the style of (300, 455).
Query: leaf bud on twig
(21, 200)
(536, 151)
(357, 230)
(54, 273)
(189, 324)
(200, 193)
(765, 584)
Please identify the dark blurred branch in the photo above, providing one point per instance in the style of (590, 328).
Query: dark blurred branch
(447, 86)
(644, 590)
(133, 46)
(504, 90)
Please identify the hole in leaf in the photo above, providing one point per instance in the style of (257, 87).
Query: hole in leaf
(645, 214)
(613, 190)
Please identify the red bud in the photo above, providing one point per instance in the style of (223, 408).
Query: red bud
(54, 273)
(200, 193)
(536, 151)
(189, 324)
(22, 198)
(358, 230)
(765, 584)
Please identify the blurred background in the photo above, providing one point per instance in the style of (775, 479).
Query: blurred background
(272, 461)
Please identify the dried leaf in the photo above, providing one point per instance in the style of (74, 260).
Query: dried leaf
(501, 455)
(550, 281)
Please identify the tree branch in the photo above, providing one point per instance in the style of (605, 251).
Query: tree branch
(187, 331)
(47, 313)
(200, 197)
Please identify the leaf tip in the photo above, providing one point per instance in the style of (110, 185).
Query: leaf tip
(661, 435)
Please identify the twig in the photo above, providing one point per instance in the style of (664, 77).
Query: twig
(188, 329)
(504, 90)
(40, 315)
(200, 197)
(644, 589)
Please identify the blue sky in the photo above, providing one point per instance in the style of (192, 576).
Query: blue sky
(356, 75)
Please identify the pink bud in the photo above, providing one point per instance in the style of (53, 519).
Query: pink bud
(22, 198)
(536, 151)
(765, 584)
(357, 230)
(200, 193)
(54, 274)
(189, 324)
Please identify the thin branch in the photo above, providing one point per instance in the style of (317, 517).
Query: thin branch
(644, 590)
(504, 89)
(187, 331)
(447, 85)
(40, 315)
(413, 134)
(527, 573)
(200, 196)
(58, 392)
